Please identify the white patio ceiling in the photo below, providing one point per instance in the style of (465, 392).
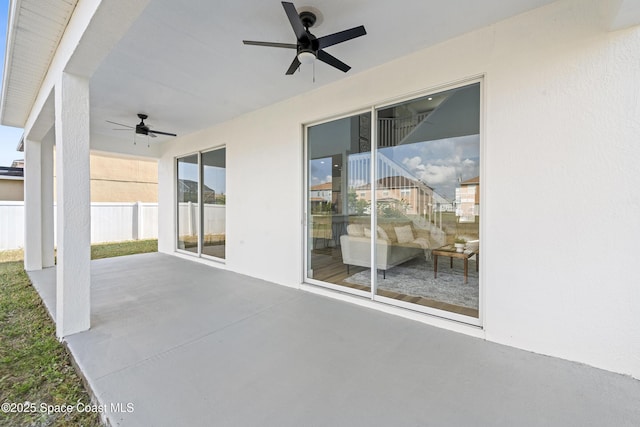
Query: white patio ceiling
(184, 64)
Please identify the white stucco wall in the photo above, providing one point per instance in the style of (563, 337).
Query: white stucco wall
(561, 129)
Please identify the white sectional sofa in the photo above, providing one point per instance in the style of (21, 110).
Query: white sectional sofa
(391, 248)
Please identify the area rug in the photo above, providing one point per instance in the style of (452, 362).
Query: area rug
(415, 278)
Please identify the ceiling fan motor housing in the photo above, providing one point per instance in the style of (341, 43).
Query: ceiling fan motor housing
(141, 128)
(311, 46)
(308, 19)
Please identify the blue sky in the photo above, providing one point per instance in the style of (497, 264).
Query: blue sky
(9, 137)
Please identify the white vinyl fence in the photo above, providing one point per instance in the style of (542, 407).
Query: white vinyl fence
(11, 225)
(214, 218)
(110, 222)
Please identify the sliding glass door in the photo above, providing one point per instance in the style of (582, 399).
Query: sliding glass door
(428, 180)
(338, 211)
(214, 203)
(188, 213)
(201, 203)
(412, 204)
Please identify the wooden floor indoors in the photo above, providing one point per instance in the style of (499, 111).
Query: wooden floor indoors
(328, 267)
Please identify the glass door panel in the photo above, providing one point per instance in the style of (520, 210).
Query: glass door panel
(214, 203)
(188, 212)
(427, 190)
(339, 202)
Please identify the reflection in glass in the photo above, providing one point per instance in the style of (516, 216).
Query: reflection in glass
(425, 193)
(214, 203)
(427, 190)
(188, 211)
(339, 218)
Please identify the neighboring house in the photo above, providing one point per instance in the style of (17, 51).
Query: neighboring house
(321, 197)
(118, 179)
(12, 183)
(534, 97)
(189, 191)
(410, 196)
(321, 192)
(113, 179)
(468, 200)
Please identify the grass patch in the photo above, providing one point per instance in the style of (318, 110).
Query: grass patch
(34, 366)
(12, 255)
(109, 250)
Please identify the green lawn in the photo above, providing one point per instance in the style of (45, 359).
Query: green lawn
(109, 250)
(34, 367)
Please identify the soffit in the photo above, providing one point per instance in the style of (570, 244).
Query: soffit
(34, 31)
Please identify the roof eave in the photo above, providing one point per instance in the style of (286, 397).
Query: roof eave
(14, 5)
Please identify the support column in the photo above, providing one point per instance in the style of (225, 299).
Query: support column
(32, 206)
(73, 205)
(48, 241)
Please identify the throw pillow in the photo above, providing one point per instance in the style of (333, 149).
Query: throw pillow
(356, 230)
(383, 234)
(404, 233)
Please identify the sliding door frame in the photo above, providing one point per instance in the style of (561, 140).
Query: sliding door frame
(200, 222)
(372, 293)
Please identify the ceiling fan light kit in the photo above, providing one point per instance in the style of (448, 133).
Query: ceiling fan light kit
(309, 47)
(306, 57)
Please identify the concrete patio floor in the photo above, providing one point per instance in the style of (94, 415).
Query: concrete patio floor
(189, 344)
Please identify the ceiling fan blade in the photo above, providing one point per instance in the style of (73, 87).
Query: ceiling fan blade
(294, 66)
(151, 131)
(333, 61)
(120, 124)
(270, 44)
(296, 22)
(341, 36)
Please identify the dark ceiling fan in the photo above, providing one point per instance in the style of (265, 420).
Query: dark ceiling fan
(310, 47)
(141, 128)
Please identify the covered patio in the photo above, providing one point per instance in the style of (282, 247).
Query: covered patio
(190, 344)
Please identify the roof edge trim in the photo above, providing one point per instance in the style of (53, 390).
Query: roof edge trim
(14, 5)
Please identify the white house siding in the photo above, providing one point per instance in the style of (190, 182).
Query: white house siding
(560, 143)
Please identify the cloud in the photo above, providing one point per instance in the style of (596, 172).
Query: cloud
(432, 174)
(438, 174)
(414, 163)
(442, 174)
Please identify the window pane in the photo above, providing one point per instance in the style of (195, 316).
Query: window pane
(427, 189)
(188, 208)
(214, 195)
(339, 213)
